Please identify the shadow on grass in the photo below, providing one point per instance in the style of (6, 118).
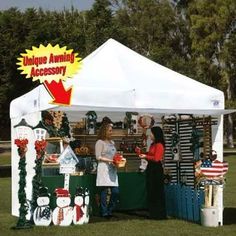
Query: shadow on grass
(120, 216)
(229, 216)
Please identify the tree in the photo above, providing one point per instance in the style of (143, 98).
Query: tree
(12, 38)
(153, 29)
(212, 26)
(98, 25)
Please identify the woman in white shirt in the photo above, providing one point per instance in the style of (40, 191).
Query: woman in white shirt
(106, 171)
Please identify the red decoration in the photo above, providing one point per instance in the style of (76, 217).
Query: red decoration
(117, 158)
(40, 147)
(22, 146)
(62, 192)
(21, 143)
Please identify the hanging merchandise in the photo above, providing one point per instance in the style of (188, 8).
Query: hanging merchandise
(146, 121)
(91, 122)
(64, 130)
(57, 118)
(63, 213)
(131, 120)
(47, 121)
(175, 146)
(42, 215)
(197, 143)
(144, 141)
(167, 175)
(118, 125)
(56, 123)
(187, 139)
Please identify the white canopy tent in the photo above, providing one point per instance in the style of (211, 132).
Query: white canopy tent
(116, 79)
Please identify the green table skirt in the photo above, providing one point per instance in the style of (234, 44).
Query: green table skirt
(132, 189)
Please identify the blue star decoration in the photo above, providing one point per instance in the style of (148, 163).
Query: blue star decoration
(206, 163)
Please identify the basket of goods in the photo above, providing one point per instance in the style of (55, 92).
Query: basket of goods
(119, 161)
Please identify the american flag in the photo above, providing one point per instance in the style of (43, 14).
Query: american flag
(214, 168)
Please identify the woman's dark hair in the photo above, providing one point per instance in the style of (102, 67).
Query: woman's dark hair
(158, 135)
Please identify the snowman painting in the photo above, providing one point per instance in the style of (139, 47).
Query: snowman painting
(78, 211)
(43, 214)
(86, 206)
(81, 208)
(63, 213)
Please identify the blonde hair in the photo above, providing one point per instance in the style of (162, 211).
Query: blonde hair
(102, 133)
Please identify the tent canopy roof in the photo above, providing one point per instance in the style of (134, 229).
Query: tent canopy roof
(115, 78)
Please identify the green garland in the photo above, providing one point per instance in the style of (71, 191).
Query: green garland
(21, 193)
(40, 147)
(22, 222)
(37, 183)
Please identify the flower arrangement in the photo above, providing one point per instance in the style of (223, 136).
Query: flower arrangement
(119, 161)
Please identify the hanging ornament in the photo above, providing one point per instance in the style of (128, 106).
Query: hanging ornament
(131, 120)
(91, 122)
(146, 121)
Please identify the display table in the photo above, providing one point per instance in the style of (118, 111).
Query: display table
(132, 189)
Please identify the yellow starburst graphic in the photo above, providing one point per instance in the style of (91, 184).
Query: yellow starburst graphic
(49, 63)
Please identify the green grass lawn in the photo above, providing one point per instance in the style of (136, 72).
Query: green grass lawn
(127, 225)
(5, 158)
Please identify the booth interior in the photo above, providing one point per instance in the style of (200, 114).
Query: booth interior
(189, 139)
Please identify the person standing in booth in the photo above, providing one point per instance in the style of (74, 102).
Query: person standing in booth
(155, 176)
(106, 171)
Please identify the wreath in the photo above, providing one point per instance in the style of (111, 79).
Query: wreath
(146, 121)
(91, 115)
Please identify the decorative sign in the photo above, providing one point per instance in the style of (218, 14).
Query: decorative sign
(67, 169)
(51, 66)
(68, 161)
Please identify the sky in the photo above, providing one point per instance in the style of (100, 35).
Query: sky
(46, 4)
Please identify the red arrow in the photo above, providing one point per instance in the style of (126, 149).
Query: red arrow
(59, 94)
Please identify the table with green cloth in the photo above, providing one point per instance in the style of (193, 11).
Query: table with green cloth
(132, 187)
